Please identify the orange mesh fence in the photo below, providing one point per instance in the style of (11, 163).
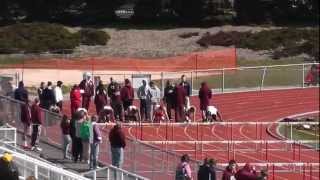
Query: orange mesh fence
(225, 58)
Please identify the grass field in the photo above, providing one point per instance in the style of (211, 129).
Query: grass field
(301, 134)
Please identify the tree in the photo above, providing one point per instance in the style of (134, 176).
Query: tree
(147, 9)
(189, 10)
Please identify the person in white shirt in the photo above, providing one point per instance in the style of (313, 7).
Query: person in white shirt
(59, 95)
(155, 96)
(213, 114)
(144, 96)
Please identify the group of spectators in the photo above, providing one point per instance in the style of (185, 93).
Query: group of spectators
(208, 170)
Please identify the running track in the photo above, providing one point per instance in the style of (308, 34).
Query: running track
(245, 106)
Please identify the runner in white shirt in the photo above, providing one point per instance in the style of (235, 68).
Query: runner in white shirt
(213, 114)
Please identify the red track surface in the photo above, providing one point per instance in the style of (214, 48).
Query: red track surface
(247, 106)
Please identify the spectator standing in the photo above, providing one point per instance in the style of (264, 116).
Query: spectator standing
(26, 121)
(21, 94)
(86, 135)
(48, 96)
(183, 171)
(187, 89)
(169, 97)
(207, 170)
(81, 115)
(180, 101)
(36, 124)
(205, 95)
(127, 94)
(65, 128)
(59, 95)
(40, 92)
(112, 89)
(94, 144)
(248, 172)
(144, 96)
(75, 98)
(8, 169)
(230, 171)
(87, 87)
(118, 143)
(100, 99)
(155, 96)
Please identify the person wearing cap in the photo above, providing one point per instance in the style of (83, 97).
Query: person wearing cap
(248, 172)
(117, 140)
(87, 89)
(58, 95)
(144, 96)
(8, 170)
(36, 124)
(127, 94)
(230, 171)
(207, 170)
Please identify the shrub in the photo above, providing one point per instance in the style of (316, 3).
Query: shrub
(36, 37)
(283, 42)
(93, 37)
(45, 37)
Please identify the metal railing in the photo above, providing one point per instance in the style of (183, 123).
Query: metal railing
(220, 80)
(29, 166)
(51, 132)
(8, 135)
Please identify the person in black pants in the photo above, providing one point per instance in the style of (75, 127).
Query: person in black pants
(77, 149)
(144, 96)
(169, 97)
(48, 96)
(207, 170)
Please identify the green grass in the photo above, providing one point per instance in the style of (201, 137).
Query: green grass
(300, 134)
(268, 62)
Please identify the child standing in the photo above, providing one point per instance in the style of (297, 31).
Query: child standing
(65, 127)
(94, 144)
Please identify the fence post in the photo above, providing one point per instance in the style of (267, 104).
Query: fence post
(223, 80)
(291, 132)
(263, 76)
(303, 67)
(36, 171)
(192, 81)
(162, 84)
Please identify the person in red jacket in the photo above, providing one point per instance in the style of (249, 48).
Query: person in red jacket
(87, 87)
(101, 99)
(205, 95)
(118, 143)
(312, 77)
(247, 173)
(180, 102)
(230, 171)
(36, 124)
(75, 99)
(127, 95)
